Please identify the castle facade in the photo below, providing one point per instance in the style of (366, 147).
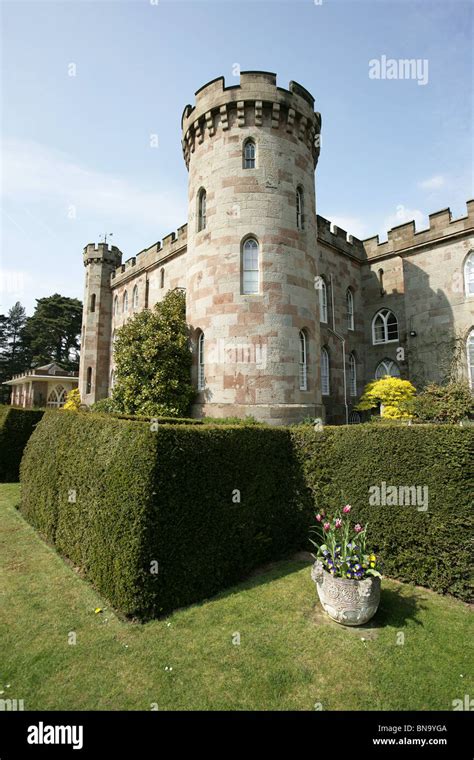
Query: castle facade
(289, 317)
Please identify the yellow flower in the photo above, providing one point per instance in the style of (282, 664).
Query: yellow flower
(97, 610)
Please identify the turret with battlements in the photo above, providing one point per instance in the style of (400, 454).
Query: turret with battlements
(251, 151)
(100, 260)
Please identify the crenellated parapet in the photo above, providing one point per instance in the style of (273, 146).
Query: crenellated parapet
(171, 245)
(257, 101)
(339, 239)
(405, 236)
(102, 253)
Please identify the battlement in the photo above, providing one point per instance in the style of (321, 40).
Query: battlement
(256, 101)
(102, 253)
(338, 238)
(171, 244)
(404, 236)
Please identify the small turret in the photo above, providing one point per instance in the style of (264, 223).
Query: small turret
(100, 261)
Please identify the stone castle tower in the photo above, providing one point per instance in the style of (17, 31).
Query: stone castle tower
(251, 152)
(290, 317)
(100, 261)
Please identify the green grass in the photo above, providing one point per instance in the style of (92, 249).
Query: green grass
(290, 656)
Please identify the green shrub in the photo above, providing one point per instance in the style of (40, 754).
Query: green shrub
(443, 403)
(104, 406)
(430, 548)
(167, 496)
(16, 426)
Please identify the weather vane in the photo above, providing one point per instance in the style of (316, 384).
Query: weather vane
(105, 235)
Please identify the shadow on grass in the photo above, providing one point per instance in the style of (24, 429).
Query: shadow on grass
(397, 604)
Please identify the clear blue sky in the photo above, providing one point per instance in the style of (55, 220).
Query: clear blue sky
(77, 160)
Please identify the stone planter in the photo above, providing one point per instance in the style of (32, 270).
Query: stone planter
(349, 602)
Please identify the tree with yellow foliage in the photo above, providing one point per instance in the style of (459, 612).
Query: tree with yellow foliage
(391, 393)
(73, 400)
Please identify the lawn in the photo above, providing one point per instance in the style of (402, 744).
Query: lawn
(290, 656)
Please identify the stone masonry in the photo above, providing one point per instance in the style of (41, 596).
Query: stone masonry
(252, 362)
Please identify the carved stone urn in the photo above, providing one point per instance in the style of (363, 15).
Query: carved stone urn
(347, 601)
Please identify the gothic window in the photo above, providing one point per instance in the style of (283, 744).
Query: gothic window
(384, 327)
(323, 300)
(470, 358)
(324, 372)
(135, 298)
(125, 302)
(299, 208)
(250, 267)
(352, 375)
(350, 309)
(201, 377)
(387, 367)
(93, 297)
(57, 397)
(249, 154)
(303, 361)
(469, 274)
(116, 306)
(201, 210)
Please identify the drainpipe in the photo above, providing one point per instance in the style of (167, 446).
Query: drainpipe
(334, 332)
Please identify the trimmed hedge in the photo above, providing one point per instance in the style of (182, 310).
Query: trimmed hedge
(16, 426)
(168, 497)
(430, 548)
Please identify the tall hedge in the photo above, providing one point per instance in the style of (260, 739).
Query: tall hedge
(16, 426)
(430, 548)
(203, 505)
(207, 504)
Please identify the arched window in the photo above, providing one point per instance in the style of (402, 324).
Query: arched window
(387, 367)
(250, 267)
(201, 377)
(299, 208)
(162, 277)
(324, 372)
(93, 302)
(350, 309)
(125, 302)
(352, 375)
(135, 298)
(469, 274)
(57, 397)
(201, 210)
(303, 361)
(323, 300)
(249, 154)
(384, 327)
(116, 306)
(470, 358)
(89, 380)
(354, 418)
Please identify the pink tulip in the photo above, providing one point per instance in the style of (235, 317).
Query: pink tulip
(338, 522)
(318, 517)
(347, 509)
(358, 528)
(327, 526)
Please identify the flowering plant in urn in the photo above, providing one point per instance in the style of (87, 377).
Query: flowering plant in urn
(345, 571)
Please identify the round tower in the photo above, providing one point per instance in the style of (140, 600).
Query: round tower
(100, 261)
(251, 151)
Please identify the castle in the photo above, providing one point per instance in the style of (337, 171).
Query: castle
(289, 317)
